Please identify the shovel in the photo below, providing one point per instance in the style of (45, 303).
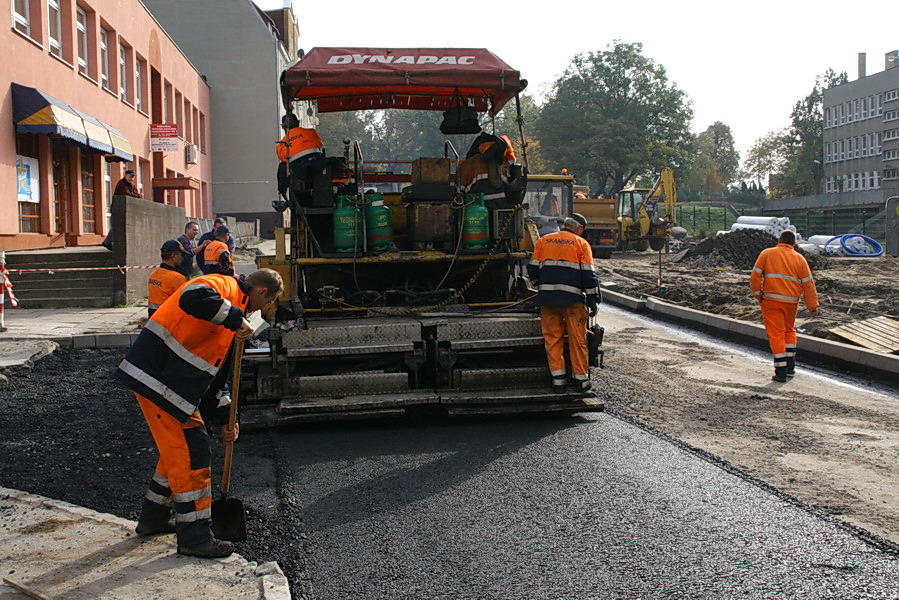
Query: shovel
(228, 516)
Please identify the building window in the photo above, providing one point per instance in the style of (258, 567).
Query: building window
(890, 174)
(139, 84)
(874, 183)
(123, 72)
(179, 108)
(104, 58)
(891, 95)
(21, 16)
(877, 146)
(88, 216)
(891, 115)
(54, 30)
(167, 103)
(81, 27)
(856, 110)
(890, 154)
(202, 140)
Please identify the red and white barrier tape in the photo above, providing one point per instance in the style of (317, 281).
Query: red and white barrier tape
(6, 287)
(51, 271)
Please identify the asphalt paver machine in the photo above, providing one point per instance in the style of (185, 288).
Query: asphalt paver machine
(405, 293)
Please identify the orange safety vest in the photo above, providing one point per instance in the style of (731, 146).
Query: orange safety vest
(162, 283)
(181, 348)
(298, 142)
(782, 274)
(212, 256)
(508, 154)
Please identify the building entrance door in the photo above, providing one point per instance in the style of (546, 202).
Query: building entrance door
(61, 188)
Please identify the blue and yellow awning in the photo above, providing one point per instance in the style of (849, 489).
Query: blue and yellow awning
(37, 112)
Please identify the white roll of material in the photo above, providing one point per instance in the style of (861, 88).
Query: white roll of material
(810, 248)
(766, 221)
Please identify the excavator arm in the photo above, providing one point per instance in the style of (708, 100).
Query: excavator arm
(664, 190)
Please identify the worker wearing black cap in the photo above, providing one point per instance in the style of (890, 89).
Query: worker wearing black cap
(167, 278)
(126, 185)
(567, 291)
(217, 257)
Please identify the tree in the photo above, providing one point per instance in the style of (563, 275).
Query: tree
(334, 128)
(612, 116)
(766, 156)
(804, 169)
(718, 141)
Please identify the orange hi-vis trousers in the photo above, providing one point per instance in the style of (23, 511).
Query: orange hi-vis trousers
(183, 477)
(556, 321)
(780, 319)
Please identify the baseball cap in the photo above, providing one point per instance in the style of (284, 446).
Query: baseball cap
(130, 172)
(171, 246)
(222, 229)
(579, 218)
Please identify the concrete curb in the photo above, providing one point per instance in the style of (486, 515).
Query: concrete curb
(821, 350)
(273, 585)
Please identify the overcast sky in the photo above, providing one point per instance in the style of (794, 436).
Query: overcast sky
(742, 63)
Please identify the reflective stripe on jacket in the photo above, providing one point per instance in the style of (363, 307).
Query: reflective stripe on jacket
(217, 259)
(162, 283)
(562, 267)
(298, 142)
(182, 347)
(782, 274)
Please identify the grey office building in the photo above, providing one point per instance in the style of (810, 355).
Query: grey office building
(861, 136)
(241, 50)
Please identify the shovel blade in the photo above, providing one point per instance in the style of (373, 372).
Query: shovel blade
(229, 520)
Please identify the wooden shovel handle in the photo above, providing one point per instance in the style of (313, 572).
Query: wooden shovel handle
(232, 416)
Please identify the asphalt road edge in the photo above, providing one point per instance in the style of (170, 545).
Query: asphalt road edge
(864, 535)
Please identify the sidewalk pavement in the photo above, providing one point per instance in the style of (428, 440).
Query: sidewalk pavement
(53, 549)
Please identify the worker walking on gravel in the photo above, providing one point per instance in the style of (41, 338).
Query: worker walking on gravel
(567, 290)
(167, 278)
(177, 357)
(780, 278)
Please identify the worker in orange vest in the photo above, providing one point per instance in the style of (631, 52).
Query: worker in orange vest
(301, 150)
(167, 278)
(217, 256)
(176, 359)
(780, 278)
(567, 292)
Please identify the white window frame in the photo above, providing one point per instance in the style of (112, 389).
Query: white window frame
(891, 115)
(54, 17)
(123, 72)
(104, 58)
(878, 146)
(81, 32)
(21, 22)
(138, 85)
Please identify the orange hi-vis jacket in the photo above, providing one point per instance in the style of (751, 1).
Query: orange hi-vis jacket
(782, 274)
(298, 142)
(162, 283)
(182, 347)
(563, 270)
(217, 258)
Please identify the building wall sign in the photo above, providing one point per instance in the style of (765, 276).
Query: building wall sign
(27, 182)
(164, 137)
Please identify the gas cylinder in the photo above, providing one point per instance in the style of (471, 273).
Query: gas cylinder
(347, 225)
(476, 223)
(378, 224)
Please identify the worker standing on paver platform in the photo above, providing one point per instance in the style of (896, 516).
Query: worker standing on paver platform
(780, 278)
(167, 278)
(567, 289)
(170, 368)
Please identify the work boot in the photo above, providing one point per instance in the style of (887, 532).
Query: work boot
(791, 366)
(559, 389)
(583, 385)
(780, 374)
(147, 528)
(211, 548)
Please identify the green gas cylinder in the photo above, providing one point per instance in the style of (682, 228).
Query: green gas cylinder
(347, 225)
(476, 223)
(378, 224)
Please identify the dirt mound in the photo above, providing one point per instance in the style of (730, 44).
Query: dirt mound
(739, 250)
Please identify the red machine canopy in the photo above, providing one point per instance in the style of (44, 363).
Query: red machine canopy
(342, 79)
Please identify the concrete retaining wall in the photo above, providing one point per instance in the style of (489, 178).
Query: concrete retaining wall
(139, 229)
(833, 354)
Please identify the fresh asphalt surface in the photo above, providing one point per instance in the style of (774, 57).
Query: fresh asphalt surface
(587, 507)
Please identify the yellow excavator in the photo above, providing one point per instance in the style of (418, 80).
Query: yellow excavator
(645, 216)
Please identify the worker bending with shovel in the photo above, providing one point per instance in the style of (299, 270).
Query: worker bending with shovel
(780, 278)
(171, 367)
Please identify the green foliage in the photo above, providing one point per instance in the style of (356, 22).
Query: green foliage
(766, 156)
(804, 168)
(612, 116)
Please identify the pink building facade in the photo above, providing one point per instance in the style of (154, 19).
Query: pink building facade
(80, 85)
